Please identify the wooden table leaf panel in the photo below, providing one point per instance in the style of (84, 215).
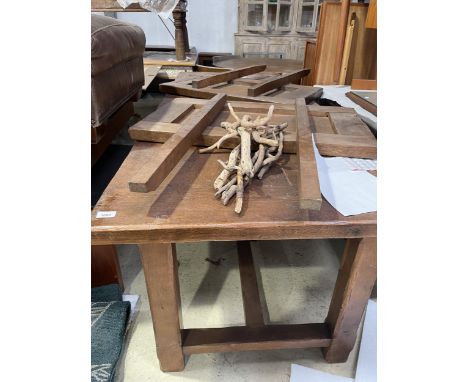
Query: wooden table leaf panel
(183, 209)
(338, 131)
(250, 83)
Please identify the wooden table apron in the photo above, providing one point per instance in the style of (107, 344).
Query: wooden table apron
(183, 209)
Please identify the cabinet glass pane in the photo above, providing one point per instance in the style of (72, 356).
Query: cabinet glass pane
(284, 16)
(271, 17)
(307, 17)
(255, 15)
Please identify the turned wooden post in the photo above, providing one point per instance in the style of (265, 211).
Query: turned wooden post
(181, 35)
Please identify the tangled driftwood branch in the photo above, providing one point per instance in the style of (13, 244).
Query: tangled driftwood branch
(242, 166)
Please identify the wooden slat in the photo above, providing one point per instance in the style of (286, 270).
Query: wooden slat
(152, 174)
(360, 84)
(344, 13)
(346, 52)
(250, 293)
(365, 104)
(227, 76)
(277, 82)
(169, 112)
(346, 146)
(244, 338)
(308, 183)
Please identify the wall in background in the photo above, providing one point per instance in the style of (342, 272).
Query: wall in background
(211, 25)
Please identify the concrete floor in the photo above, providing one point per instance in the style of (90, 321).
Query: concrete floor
(296, 282)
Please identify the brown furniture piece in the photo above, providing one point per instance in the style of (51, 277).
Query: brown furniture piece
(251, 83)
(361, 60)
(105, 266)
(183, 209)
(338, 131)
(276, 28)
(116, 78)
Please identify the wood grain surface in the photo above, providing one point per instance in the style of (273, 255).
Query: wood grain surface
(267, 86)
(308, 181)
(362, 61)
(184, 209)
(153, 172)
(159, 262)
(367, 100)
(249, 286)
(276, 82)
(241, 338)
(227, 76)
(353, 287)
(334, 135)
(360, 84)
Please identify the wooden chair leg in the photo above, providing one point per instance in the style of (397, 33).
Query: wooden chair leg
(353, 287)
(162, 283)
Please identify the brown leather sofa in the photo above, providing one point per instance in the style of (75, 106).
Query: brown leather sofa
(116, 78)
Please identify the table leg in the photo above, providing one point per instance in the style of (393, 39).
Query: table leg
(162, 283)
(353, 287)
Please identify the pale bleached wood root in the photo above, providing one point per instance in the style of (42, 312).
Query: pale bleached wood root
(224, 176)
(242, 166)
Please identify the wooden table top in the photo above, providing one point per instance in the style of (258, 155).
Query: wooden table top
(184, 209)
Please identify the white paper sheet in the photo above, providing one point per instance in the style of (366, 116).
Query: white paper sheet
(366, 370)
(349, 192)
(305, 374)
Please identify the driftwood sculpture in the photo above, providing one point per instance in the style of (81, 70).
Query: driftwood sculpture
(242, 166)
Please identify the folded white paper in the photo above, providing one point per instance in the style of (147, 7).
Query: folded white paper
(349, 192)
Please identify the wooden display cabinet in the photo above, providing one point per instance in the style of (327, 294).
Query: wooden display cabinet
(276, 28)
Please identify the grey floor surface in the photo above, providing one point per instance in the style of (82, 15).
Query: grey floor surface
(296, 282)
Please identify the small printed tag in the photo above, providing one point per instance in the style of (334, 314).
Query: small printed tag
(105, 214)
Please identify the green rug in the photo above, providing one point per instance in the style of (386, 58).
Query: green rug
(109, 316)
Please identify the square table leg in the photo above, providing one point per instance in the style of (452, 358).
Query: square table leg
(353, 287)
(162, 283)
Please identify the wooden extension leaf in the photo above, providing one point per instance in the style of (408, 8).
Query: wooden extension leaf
(338, 131)
(277, 82)
(308, 182)
(151, 175)
(239, 84)
(227, 76)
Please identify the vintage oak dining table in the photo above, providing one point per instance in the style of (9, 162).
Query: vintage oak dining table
(184, 209)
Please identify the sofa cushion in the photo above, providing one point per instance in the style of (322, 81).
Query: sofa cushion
(114, 41)
(116, 65)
